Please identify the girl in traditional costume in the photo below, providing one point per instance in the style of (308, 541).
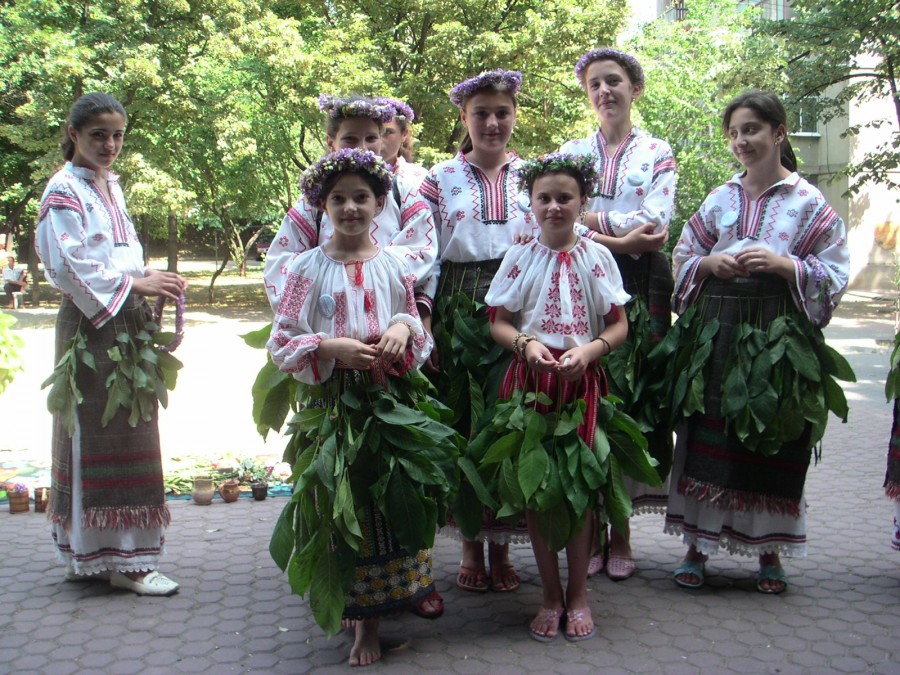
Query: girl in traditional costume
(353, 122)
(759, 270)
(630, 215)
(107, 501)
(557, 303)
(348, 315)
(397, 145)
(474, 199)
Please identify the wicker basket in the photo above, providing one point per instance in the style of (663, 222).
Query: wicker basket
(18, 501)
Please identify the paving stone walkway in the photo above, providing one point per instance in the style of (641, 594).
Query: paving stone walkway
(234, 612)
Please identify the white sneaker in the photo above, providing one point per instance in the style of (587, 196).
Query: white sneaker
(153, 583)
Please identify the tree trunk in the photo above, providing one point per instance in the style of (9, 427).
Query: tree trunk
(145, 237)
(33, 272)
(172, 248)
(212, 281)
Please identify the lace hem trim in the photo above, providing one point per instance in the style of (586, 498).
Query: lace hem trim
(735, 546)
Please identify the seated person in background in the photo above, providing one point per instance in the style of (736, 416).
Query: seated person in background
(15, 279)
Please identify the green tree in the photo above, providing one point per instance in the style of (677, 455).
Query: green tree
(422, 49)
(841, 51)
(693, 67)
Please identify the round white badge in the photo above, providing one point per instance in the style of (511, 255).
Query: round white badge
(327, 305)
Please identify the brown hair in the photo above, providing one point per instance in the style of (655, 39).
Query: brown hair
(83, 111)
(770, 109)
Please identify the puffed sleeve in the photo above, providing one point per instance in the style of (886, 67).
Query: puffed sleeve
(607, 279)
(418, 239)
(506, 288)
(822, 264)
(405, 309)
(299, 232)
(697, 240)
(97, 289)
(293, 341)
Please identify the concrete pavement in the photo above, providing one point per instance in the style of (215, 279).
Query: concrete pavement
(235, 613)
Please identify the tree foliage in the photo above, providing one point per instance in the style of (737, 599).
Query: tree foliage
(221, 94)
(693, 68)
(839, 52)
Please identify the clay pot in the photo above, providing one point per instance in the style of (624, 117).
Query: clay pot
(260, 491)
(230, 491)
(204, 490)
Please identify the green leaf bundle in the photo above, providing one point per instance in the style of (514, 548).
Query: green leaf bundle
(524, 459)
(142, 377)
(777, 380)
(366, 446)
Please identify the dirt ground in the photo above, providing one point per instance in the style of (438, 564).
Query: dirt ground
(209, 412)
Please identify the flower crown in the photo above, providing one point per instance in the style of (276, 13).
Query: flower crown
(349, 160)
(401, 109)
(511, 80)
(355, 107)
(627, 61)
(583, 166)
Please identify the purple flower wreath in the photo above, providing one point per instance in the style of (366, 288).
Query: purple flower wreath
(583, 166)
(179, 321)
(401, 109)
(627, 61)
(355, 107)
(346, 160)
(511, 80)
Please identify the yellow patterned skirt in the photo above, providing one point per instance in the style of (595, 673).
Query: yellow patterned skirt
(387, 578)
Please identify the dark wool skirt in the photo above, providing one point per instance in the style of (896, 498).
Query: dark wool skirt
(121, 465)
(717, 468)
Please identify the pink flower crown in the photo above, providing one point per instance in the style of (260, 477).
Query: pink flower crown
(509, 80)
(356, 106)
(348, 160)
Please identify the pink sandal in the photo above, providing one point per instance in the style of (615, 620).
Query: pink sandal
(619, 567)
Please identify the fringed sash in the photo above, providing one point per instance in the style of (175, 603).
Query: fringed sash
(718, 470)
(892, 480)
(121, 466)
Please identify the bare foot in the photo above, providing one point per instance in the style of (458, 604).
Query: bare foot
(545, 624)
(771, 585)
(504, 577)
(366, 650)
(348, 623)
(689, 578)
(579, 623)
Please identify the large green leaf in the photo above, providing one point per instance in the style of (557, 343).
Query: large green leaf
(326, 594)
(259, 337)
(281, 545)
(533, 465)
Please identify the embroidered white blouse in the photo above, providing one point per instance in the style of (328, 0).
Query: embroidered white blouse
(88, 245)
(474, 218)
(792, 219)
(305, 227)
(321, 300)
(637, 182)
(411, 175)
(560, 297)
